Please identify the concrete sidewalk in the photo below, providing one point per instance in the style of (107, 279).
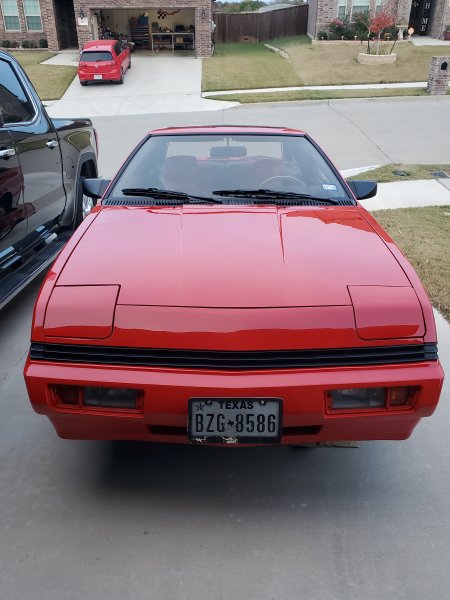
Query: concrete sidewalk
(353, 86)
(407, 194)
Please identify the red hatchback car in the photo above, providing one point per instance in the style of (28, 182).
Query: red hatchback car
(230, 289)
(103, 60)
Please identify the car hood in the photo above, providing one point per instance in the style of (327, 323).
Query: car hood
(232, 257)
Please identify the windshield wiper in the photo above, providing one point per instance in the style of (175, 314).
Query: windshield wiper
(273, 195)
(160, 194)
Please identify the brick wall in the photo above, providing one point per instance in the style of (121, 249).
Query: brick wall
(438, 76)
(327, 10)
(23, 34)
(202, 17)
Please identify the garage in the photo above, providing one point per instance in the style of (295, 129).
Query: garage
(158, 30)
(178, 27)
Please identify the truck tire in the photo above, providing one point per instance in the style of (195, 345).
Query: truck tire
(84, 204)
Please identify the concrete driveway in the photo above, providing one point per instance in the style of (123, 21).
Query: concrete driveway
(154, 84)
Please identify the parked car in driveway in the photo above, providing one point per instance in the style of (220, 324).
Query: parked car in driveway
(42, 164)
(231, 289)
(104, 60)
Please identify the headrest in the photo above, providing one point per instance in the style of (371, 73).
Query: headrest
(227, 151)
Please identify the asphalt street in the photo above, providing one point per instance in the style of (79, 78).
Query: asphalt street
(94, 520)
(354, 133)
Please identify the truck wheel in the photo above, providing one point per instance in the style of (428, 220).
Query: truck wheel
(129, 64)
(83, 83)
(84, 204)
(121, 78)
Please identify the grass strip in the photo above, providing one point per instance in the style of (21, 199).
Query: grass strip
(50, 81)
(423, 235)
(318, 95)
(385, 174)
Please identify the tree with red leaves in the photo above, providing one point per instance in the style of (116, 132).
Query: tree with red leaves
(378, 22)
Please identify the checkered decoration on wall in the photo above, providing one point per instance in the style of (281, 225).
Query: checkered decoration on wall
(162, 14)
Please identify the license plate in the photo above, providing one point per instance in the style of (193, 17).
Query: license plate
(98, 76)
(235, 420)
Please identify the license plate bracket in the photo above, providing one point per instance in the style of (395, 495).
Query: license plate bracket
(98, 76)
(243, 420)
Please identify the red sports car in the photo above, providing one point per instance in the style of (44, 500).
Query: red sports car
(230, 289)
(104, 60)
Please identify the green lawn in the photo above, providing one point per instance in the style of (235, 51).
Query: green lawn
(423, 235)
(50, 81)
(249, 66)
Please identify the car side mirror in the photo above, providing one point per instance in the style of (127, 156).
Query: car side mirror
(95, 188)
(363, 189)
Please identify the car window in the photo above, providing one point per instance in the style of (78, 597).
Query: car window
(118, 48)
(14, 103)
(95, 56)
(204, 163)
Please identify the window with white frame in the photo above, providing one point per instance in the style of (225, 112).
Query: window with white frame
(379, 6)
(360, 6)
(342, 9)
(32, 12)
(10, 15)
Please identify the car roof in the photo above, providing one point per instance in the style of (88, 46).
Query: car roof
(99, 45)
(217, 129)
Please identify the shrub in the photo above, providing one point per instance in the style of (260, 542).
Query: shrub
(14, 44)
(341, 29)
(29, 44)
(322, 35)
(43, 43)
(6, 44)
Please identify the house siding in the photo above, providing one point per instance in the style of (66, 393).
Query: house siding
(327, 10)
(202, 10)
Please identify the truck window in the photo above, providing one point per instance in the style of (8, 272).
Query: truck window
(14, 103)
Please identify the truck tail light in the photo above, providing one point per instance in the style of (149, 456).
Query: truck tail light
(354, 399)
(98, 397)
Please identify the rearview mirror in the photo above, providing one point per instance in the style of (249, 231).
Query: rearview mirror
(363, 189)
(95, 188)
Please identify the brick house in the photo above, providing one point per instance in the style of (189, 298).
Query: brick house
(427, 17)
(71, 23)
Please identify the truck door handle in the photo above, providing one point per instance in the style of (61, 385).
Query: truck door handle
(51, 144)
(7, 152)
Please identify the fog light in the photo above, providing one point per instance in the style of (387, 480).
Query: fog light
(104, 397)
(358, 398)
(67, 394)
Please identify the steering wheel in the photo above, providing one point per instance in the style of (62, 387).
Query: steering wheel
(283, 180)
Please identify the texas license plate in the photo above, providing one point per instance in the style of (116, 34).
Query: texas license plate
(235, 420)
(98, 76)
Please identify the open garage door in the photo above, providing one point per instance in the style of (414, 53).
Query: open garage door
(157, 30)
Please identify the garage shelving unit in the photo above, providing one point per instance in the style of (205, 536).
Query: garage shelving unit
(140, 36)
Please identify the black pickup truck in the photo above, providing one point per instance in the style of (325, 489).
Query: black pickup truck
(43, 162)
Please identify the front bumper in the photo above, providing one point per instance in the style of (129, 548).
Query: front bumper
(167, 392)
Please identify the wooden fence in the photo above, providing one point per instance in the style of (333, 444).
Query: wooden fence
(259, 27)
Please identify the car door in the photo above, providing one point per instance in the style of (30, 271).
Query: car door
(37, 149)
(13, 212)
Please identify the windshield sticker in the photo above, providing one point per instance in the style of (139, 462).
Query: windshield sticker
(329, 186)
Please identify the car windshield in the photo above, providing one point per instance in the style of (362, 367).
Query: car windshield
(95, 56)
(230, 164)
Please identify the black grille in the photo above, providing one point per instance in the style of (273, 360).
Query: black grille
(245, 360)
